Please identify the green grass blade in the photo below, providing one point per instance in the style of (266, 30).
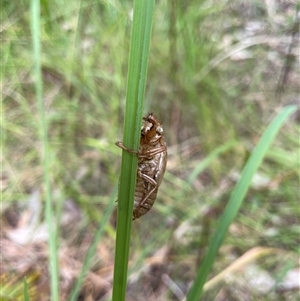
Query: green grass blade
(93, 247)
(207, 161)
(137, 71)
(26, 292)
(35, 29)
(236, 199)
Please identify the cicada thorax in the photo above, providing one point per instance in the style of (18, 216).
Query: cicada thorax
(152, 161)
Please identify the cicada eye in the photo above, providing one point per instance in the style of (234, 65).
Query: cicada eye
(146, 127)
(159, 130)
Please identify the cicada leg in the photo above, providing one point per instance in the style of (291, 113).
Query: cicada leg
(121, 145)
(146, 154)
(152, 152)
(151, 181)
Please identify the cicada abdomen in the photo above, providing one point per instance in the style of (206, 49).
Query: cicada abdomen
(152, 161)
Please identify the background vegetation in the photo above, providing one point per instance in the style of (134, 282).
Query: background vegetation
(218, 73)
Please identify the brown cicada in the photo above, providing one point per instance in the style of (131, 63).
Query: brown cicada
(152, 161)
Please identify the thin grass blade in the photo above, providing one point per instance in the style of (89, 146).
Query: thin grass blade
(207, 161)
(236, 199)
(53, 261)
(137, 72)
(25, 292)
(93, 247)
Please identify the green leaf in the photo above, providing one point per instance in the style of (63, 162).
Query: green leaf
(236, 200)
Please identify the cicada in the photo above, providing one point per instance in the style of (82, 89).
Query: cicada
(152, 161)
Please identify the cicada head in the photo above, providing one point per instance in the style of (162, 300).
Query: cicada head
(151, 128)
